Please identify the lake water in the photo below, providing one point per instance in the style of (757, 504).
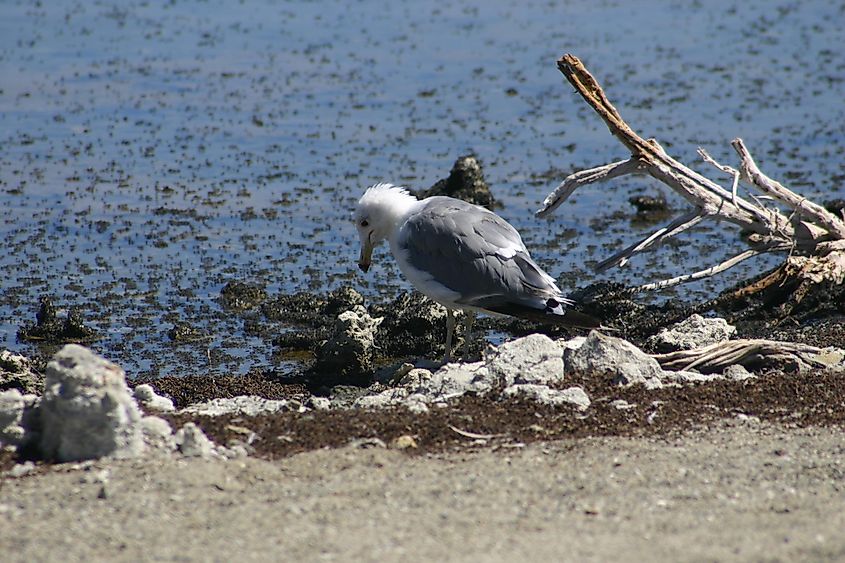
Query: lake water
(151, 152)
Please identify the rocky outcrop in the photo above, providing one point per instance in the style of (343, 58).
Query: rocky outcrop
(152, 401)
(466, 182)
(533, 359)
(694, 332)
(348, 354)
(243, 405)
(413, 324)
(614, 359)
(525, 367)
(18, 424)
(87, 410)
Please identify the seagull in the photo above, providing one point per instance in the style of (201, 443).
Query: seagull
(461, 256)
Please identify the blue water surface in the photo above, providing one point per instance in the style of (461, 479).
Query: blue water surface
(152, 152)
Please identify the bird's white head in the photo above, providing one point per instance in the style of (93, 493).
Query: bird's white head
(377, 216)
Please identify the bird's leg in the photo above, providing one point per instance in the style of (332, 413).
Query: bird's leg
(450, 331)
(470, 319)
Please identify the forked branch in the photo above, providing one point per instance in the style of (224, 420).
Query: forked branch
(809, 229)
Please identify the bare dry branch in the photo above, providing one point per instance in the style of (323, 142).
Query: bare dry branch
(701, 274)
(694, 187)
(809, 226)
(805, 208)
(679, 225)
(734, 173)
(584, 177)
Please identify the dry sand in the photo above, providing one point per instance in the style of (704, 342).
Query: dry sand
(743, 491)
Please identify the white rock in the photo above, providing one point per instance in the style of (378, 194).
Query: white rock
(693, 332)
(193, 442)
(16, 417)
(245, 405)
(609, 357)
(683, 377)
(525, 361)
(146, 395)
(21, 469)
(544, 394)
(87, 410)
(576, 396)
(454, 380)
(319, 403)
(571, 343)
(420, 387)
(416, 403)
(380, 400)
(535, 358)
(737, 372)
(415, 378)
(158, 433)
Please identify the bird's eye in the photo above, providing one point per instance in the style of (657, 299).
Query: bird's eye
(365, 223)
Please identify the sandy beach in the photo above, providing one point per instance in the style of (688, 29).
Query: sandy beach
(741, 491)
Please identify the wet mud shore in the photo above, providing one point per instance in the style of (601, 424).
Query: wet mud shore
(341, 347)
(412, 331)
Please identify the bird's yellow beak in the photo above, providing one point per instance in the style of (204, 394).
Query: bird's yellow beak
(366, 254)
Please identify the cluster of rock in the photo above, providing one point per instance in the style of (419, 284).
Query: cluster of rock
(535, 367)
(532, 366)
(87, 411)
(50, 327)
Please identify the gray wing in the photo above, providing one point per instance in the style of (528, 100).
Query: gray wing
(477, 254)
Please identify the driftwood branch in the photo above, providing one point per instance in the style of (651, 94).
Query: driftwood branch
(749, 353)
(806, 209)
(591, 176)
(680, 224)
(706, 273)
(808, 229)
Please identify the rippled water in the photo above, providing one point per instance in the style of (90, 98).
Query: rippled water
(151, 153)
